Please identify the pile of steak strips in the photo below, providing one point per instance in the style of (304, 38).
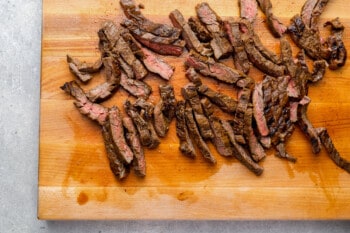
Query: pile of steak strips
(263, 115)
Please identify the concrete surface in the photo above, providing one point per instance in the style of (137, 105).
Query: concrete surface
(20, 36)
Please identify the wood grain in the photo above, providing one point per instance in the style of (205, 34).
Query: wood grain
(75, 181)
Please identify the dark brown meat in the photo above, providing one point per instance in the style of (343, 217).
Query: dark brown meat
(306, 11)
(220, 45)
(83, 70)
(275, 25)
(105, 90)
(225, 102)
(188, 35)
(338, 53)
(281, 152)
(258, 110)
(189, 92)
(139, 122)
(306, 126)
(132, 137)
(135, 87)
(157, 65)
(318, 71)
(135, 46)
(159, 44)
(200, 30)
(94, 111)
(256, 150)
(220, 139)
(161, 125)
(198, 140)
(117, 132)
(109, 34)
(219, 71)
(248, 9)
(240, 153)
(332, 151)
(119, 169)
(316, 13)
(239, 54)
(146, 111)
(186, 145)
(239, 123)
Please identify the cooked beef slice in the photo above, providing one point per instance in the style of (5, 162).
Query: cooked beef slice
(186, 145)
(83, 70)
(248, 9)
(192, 75)
(132, 137)
(220, 45)
(240, 57)
(105, 90)
(260, 61)
(240, 153)
(135, 46)
(168, 96)
(94, 111)
(239, 119)
(189, 92)
(247, 32)
(108, 35)
(161, 45)
(161, 125)
(258, 110)
(146, 111)
(281, 152)
(135, 87)
(198, 140)
(307, 127)
(188, 35)
(119, 169)
(338, 52)
(140, 123)
(133, 12)
(157, 65)
(318, 71)
(287, 57)
(128, 56)
(332, 151)
(275, 25)
(316, 13)
(199, 29)
(220, 139)
(225, 102)
(256, 150)
(306, 11)
(125, 67)
(208, 67)
(117, 132)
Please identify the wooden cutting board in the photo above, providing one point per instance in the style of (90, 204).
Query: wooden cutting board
(75, 181)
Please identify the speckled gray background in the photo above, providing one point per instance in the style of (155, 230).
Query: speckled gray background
(20, 43)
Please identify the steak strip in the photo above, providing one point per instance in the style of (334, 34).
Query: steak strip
(83, 70)
(240, 153)
(239, 123)
(94, 111)
(332, 151)
(119, 169)
(248, 9)
(157, 65)
(200, 30)
(132, 137)
(186, 145)
(135, 87)
(258, 109)
(275, 25)
(198, 140)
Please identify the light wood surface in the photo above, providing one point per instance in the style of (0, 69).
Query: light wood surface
(75, 181)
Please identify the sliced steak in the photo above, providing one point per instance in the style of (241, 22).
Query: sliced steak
(220, 139)
(258, 110)
(186, 145)
(256, 150)
(105, 90)
(119, 169)
(276, 27)
(157, 65)
(316, 13)
(239, 123)
(248, 9)
(135, 46)
(132, 137)
(332, 151)
(240, 57)
(200, 30)
(161, 125)
(281, 152)
(220, 45)
(240, 153)
(189, 36)
(306, 11)
(135, 87)
(109, 34)
(306, 126)
(146, 111)
(189, 92)
(140, 123)
(198, 140)
(225, 102)
(94, 111)
(83, 70)
(117, 132)
(219, 71)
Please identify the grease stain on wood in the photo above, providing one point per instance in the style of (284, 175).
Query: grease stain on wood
(83, 198)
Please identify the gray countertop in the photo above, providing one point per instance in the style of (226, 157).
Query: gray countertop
(20, 40)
